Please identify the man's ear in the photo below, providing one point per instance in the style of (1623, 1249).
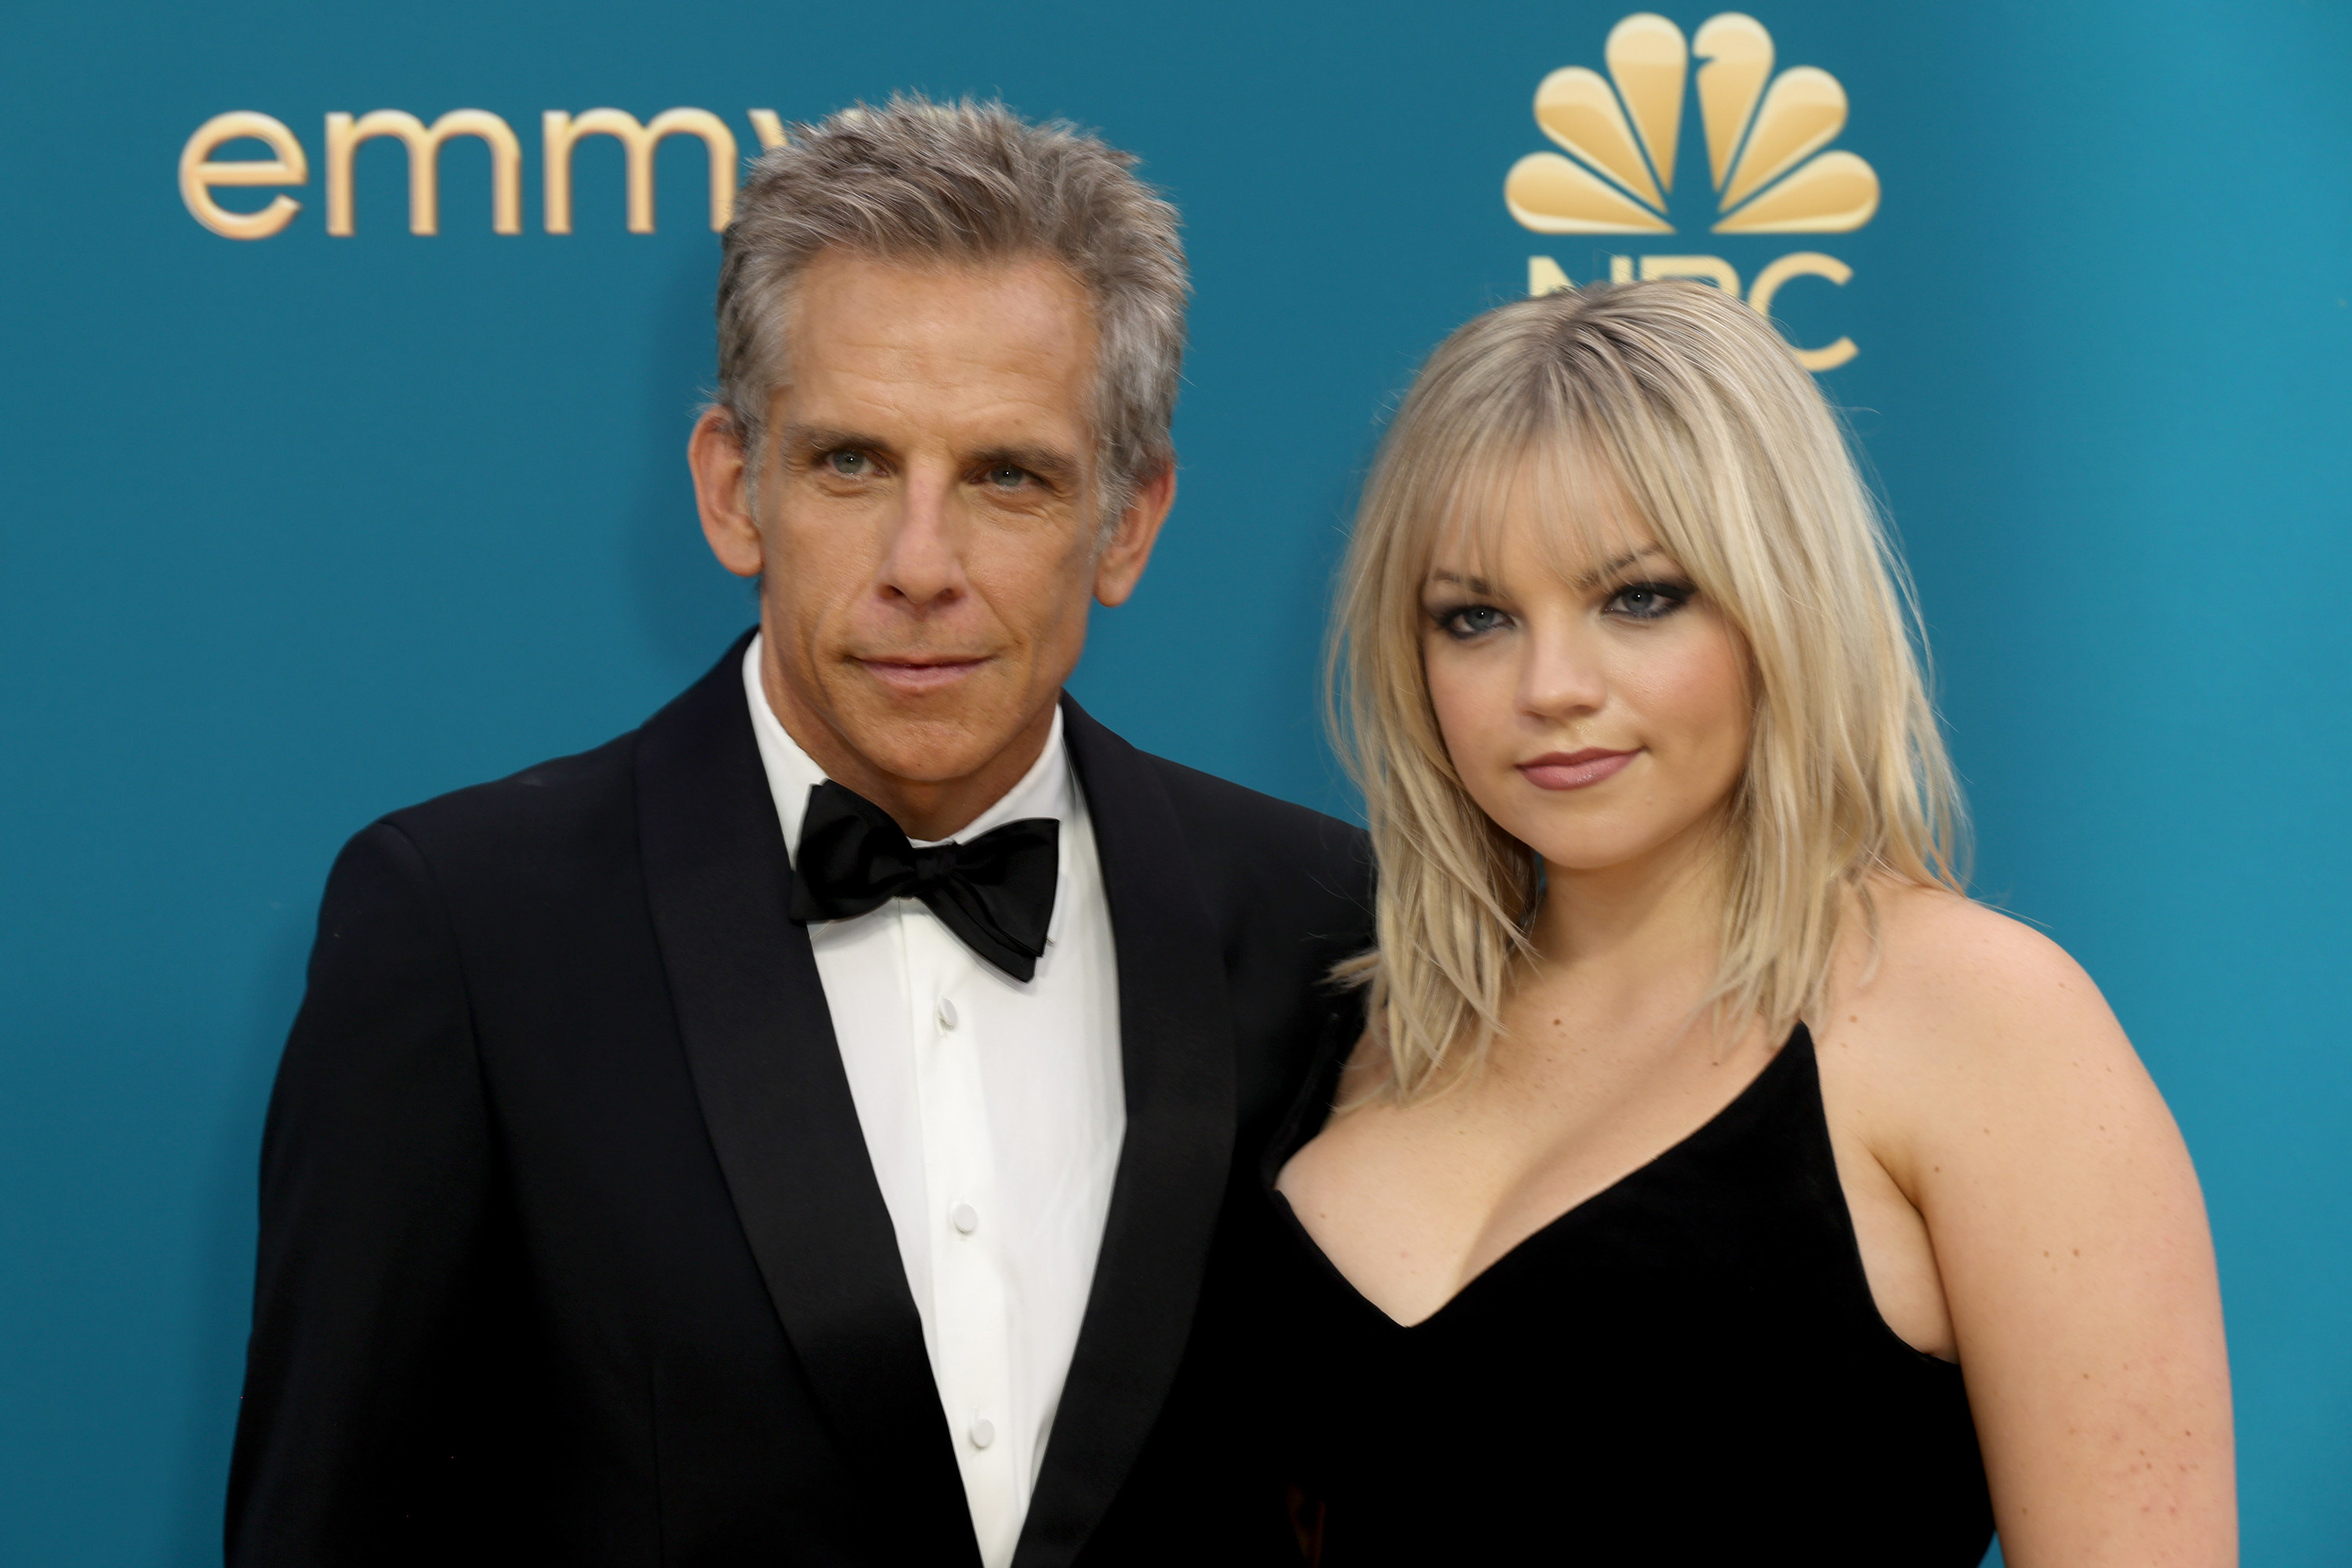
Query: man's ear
(715, 453)
(1121, 563)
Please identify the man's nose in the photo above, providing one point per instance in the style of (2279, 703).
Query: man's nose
(923, 564)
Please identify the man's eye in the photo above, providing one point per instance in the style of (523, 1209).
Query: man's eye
(1006, 477)
(1649, 601)
(849, 464)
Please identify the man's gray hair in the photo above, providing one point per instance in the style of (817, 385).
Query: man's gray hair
(972, 184)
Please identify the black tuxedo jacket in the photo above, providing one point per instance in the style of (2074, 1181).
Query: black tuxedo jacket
(570, 1250)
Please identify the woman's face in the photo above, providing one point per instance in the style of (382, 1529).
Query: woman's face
(1593, 701)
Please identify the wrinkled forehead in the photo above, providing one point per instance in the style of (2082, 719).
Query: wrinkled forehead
(1553, 505)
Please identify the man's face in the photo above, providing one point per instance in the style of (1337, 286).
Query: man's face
(927, 531)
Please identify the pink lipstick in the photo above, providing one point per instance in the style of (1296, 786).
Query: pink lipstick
(1575, 770)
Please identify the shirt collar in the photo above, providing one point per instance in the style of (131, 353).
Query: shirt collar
(1044, 791)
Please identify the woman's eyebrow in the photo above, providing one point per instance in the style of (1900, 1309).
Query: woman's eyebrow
(1458, 580)
(1610, 569)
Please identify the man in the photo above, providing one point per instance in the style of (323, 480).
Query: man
(797, 1132)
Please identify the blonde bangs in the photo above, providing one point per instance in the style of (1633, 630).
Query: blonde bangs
(1689, 411)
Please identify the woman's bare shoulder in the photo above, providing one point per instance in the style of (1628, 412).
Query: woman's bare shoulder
(1948, 974)
(1960, 1020)
(1980, 1067)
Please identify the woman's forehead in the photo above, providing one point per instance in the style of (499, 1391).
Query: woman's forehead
(1545, 512)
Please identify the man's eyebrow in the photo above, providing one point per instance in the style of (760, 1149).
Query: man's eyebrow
(1045, 462)
(806, 439)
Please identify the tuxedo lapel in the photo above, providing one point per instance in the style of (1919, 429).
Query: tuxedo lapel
(1176, 1045)
(759, 1039)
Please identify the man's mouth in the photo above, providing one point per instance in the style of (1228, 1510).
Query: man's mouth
(918, 675)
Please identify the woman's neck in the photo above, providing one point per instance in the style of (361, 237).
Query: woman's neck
(1639, 923)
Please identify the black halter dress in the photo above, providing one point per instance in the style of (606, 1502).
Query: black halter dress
(1686, 1368)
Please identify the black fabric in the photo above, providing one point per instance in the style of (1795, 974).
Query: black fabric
(570, 1250)
(995, 891)
(1686, 1369)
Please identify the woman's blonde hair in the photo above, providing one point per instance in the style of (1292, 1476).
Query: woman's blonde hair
(1690, 407)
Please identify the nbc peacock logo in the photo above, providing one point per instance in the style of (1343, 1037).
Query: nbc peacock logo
(1767, 155)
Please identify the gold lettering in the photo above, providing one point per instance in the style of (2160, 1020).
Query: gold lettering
(1620, 269)
(1712, 270)
(199, 174)
(562, 131)
(1804, 264)
(771, 129)
(1544, 276)
(345, 136)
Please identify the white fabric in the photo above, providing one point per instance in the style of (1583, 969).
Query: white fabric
(993, 1113)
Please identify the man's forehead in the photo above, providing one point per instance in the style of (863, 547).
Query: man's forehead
(1029, 305)
(987, 344)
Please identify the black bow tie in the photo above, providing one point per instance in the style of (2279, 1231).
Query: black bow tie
(995, 892)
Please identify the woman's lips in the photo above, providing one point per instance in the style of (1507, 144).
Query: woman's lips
(1575, 770)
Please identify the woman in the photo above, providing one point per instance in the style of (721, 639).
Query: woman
(1714, 1183)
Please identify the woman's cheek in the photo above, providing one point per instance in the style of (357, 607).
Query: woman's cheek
(1476, 711)
(1446, 701)
(1693, 700)
(1691, 682)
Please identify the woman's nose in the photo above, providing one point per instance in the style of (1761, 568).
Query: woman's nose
(1562, 674)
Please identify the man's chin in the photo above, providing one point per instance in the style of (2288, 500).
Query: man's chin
(927, 732)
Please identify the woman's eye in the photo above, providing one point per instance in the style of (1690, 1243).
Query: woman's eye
(849, 464)
(1648, 601)
(1472, 620)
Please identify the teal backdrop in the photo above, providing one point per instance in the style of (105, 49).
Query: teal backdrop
(298, 530)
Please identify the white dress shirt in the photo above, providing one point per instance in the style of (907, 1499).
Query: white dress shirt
(993, 1113)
